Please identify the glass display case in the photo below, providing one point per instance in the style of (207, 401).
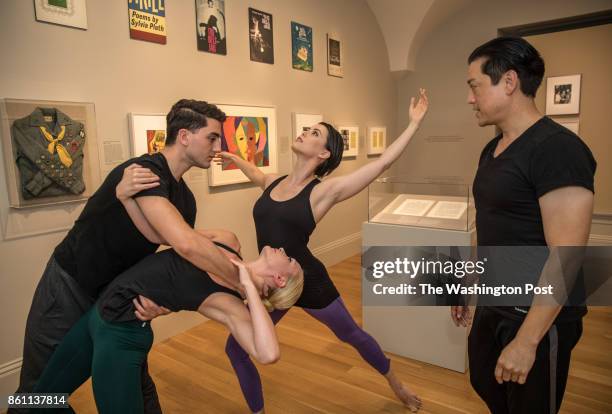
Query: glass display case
(399, 201)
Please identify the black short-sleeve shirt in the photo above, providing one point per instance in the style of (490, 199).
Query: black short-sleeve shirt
(506, 188)
(165, 278)
(104, 241)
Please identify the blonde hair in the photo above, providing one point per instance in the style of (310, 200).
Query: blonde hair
(285, 297)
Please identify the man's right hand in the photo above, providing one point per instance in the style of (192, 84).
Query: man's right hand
(135, 179)
(460, 315)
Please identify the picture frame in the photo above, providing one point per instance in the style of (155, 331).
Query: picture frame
(147, 133)
(563, 95)
(335, 56)
(68, 13)
(301, 47)
(55, 143)
(210, 26)
(377, 140)
(350, 136)
(303, 122)
(261, 36)
(242, 134)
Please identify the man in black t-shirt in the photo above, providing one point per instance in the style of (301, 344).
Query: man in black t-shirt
(533, 187)
(107, 239)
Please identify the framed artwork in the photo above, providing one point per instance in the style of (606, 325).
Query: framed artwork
(50, 151)
(210, 26)
(377, 140)
(147, 20)
(147, 133)
(301, 47)
(70, 13)
(350, 136)
(303, 122)
(250, 133)
(563, 95)
(261, 36)
(334, 56)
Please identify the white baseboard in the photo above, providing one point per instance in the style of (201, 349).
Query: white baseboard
(338, 250)
(600, 240)
(9, 379)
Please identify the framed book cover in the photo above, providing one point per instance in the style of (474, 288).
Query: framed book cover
(350, 137)
(301, 47)
(377, 140)
(69, 13)
(210, 26)
(147, 133)
(334, 56)
(250, 133)
(147, 19)
(261, 38)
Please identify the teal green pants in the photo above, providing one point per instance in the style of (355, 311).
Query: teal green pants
(113, 354)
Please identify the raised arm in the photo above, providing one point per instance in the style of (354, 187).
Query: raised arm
(188, 243)
(337, 189)
(252, 326)
(249, 169)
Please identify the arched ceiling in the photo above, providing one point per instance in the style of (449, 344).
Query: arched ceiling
(405, 24)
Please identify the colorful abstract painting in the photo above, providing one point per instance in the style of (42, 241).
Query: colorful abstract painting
(250, 133)
(247, 137)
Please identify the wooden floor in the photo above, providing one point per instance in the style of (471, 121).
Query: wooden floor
(318, 374)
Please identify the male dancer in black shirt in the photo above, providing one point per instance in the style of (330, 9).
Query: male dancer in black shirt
(104, 241)
(533, 187)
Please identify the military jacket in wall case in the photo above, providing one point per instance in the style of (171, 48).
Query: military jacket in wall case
(49, 154)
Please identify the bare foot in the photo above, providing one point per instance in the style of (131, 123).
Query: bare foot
(409, 399)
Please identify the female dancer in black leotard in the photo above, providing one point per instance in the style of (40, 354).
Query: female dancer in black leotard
(285, 216)
(110, 344)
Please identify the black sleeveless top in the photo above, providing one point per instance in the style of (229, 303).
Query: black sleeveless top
(289, 224)
(165, 278)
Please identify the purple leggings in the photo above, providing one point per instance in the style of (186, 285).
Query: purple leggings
(337, 318)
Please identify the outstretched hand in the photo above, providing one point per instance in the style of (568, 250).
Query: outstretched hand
(418, 107)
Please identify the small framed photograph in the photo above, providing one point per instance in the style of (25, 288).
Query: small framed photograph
(350, 136)
(147, 133)
(377, 140)
(335, 56)
(563, 95)
(303, 122)
(69, 13)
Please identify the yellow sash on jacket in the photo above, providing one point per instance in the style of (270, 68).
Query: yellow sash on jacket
(54, 145)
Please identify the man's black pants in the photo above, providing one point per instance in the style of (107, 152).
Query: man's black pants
(543, 391)
(57, 305)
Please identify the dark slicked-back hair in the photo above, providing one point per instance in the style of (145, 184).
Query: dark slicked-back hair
(190, 114)
(511, 53)
(335, 145)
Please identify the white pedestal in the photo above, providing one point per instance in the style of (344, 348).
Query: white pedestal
(423, 333)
